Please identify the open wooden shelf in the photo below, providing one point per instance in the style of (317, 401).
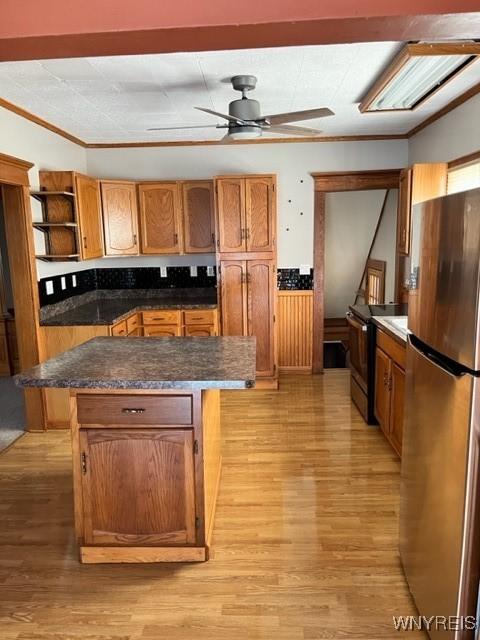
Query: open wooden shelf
(52, 257)
(59, 225)
(40, 195)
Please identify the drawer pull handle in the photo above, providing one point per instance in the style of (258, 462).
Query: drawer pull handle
(133, 411)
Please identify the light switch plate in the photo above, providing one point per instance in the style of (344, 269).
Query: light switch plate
(49, 287)
(63, 283)
(74, 281)
(210, 271)
(304, 269)
(163, 272)
(193, 271)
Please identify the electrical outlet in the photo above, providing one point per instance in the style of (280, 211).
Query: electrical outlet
(304, 269)
(193, 271)
(163, 272)
(63, 283)
(49, 287)
(74, 281)
(210, 271)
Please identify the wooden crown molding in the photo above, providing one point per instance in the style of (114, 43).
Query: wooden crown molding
(403, 56)
(356, 180)
(13, 170)
(40, 121)
(456, 102)
(470, 157)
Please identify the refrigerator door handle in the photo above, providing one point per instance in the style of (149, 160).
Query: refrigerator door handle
(447, 365)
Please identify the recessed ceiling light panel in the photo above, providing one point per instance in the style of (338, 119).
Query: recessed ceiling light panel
(417, 73)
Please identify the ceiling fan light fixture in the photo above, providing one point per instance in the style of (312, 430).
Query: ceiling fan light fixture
(246, 132)
(416, 73)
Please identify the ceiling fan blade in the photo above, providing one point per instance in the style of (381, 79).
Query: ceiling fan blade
(194, 126)
(295, 116)
(292, 130)
(221, 115)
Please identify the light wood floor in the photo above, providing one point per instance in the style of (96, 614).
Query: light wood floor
(305, 542)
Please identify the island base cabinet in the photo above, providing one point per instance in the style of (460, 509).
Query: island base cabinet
(146, 474)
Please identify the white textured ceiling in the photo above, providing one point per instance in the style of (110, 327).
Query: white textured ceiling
(116, 99)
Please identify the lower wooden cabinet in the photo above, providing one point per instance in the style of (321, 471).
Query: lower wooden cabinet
(146, 472)
(163, 331)
(153, 472)
(390, 393)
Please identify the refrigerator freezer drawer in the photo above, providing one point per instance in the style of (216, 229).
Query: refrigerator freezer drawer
(433, 485)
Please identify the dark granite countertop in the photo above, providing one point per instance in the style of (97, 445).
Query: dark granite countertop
(106, 311)
(149, 363)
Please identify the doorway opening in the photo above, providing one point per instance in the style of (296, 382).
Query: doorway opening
(353, 253)
(12, 402)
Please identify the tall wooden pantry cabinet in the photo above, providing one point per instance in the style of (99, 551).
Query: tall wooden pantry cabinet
(247, 264)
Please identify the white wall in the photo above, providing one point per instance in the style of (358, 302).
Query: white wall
(350, 221)
(455, 135)
(25, 140)
(292, 163)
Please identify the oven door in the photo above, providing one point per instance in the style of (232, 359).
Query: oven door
(358, 350)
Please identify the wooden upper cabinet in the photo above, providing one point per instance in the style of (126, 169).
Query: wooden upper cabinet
(231, 215)
(120, 218)
(89, 216)
(198, 216)
(418, 183)
(260, 301)
(404, 212)
(233, 297)
(160, 218)
(259, 214)
(138, 486)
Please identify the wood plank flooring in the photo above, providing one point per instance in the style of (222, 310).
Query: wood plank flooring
(304, 545)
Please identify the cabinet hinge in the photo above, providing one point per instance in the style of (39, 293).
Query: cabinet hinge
(197, 523)
(84, 463)
(195, 446)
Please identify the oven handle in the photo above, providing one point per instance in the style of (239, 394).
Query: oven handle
(355, 324)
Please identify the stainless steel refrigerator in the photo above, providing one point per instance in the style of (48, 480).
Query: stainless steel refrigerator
(440, 479)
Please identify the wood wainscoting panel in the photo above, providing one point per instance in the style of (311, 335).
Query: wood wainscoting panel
(295, 331)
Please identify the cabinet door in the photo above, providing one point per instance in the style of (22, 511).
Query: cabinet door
(138, 486)
(261, 291)
(233, 297)
(163, 331)
(404, 212)
(120, 218)
(231, 214)
(397, 378)
(159, 218)
(200, 331)
(259, 214)
(89, 217)
(198, 217)
(382, 392)
(120, 329)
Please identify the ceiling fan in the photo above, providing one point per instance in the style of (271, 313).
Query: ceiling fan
(245, 121)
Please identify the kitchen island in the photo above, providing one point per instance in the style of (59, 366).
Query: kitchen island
(145, 421)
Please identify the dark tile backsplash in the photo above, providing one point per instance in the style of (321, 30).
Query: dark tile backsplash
(126, 278)
(291, 279)
(149, 278)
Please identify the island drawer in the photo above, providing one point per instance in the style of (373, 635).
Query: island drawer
(119, 329)
(132, 409)
(161, 317)
(202, 316)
